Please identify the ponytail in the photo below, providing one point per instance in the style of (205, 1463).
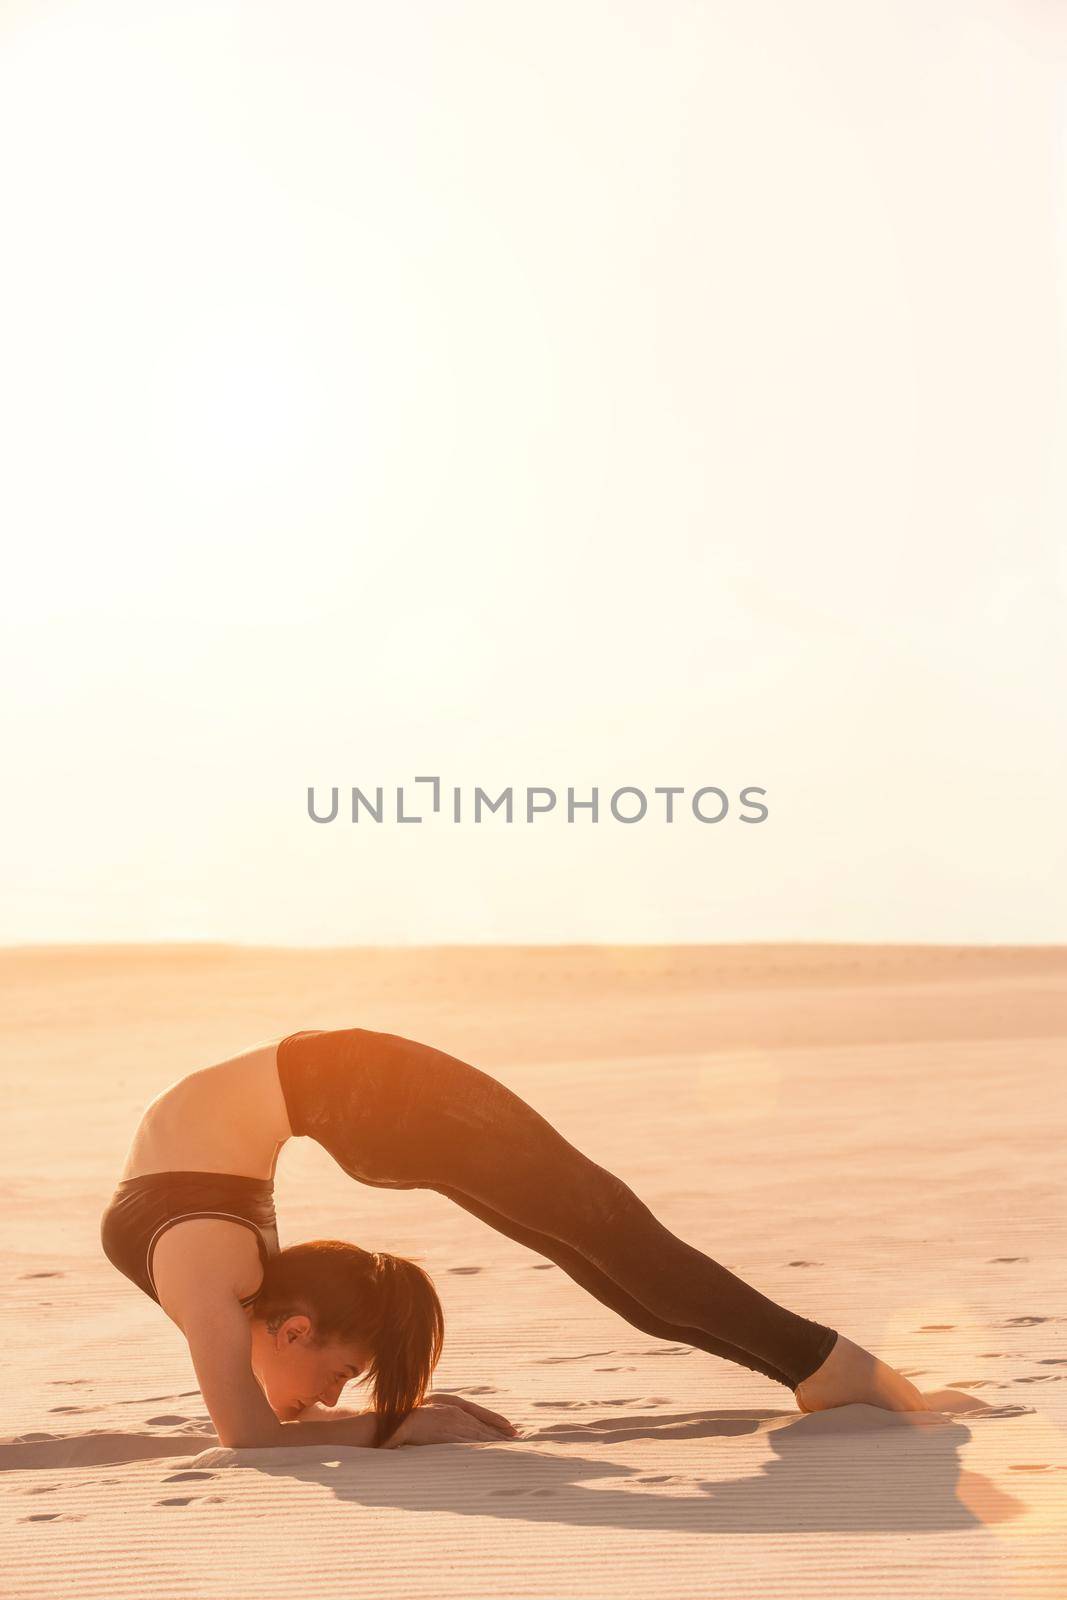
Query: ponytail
(407, 1340)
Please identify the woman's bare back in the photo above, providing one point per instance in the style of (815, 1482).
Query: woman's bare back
(230, 1117)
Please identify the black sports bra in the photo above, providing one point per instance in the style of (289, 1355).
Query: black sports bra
(142, 1209)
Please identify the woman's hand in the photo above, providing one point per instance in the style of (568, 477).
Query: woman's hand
(438, 1399)
(445, 1423)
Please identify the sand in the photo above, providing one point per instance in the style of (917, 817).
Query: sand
(872, 1136)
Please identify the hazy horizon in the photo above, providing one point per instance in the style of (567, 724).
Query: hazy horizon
(546, 944)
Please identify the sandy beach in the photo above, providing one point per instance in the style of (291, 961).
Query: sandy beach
(872, 1136)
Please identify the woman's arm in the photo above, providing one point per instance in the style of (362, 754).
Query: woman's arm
(317, 1411)
(220, 1344)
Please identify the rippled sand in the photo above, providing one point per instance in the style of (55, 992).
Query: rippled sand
(874, 1136)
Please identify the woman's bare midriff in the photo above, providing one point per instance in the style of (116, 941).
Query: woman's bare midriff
(230, 1117)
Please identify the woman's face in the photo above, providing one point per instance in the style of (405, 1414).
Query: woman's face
(294, 1372)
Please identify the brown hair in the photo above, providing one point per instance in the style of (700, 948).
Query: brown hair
(384, 1301)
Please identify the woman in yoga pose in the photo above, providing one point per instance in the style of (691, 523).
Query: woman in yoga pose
(274, 1332)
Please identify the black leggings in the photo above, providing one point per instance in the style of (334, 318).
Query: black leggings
(397, 1114)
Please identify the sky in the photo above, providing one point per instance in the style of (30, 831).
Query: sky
(577, 395)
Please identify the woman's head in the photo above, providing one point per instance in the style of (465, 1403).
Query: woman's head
(328, 1311)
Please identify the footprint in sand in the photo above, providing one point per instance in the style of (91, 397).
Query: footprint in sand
(76, 1409)
(44, 1488)
(478, 1388)
(647, 1402)
(936, 1327)
(178, 1500)
(1053, 1361)
(53, 1516)
(466, 1271)
(69, 1382)
(969, 1383)
(1008, 1258)
(991, 1413)
(803, 1263)
(1041, 1377)
(553, 1361)
(1024, 1322)
(566, 1405)
(150, 1399)
(42, 1275)
(1032, 1466)
(184, 1477)
(164, 1422)
(615, 1369)
(544, 1266)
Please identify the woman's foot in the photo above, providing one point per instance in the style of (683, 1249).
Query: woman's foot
(851, 1374)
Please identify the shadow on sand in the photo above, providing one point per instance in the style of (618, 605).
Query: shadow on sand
(856, 1468)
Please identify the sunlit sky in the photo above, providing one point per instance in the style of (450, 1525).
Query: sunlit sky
(562, 395)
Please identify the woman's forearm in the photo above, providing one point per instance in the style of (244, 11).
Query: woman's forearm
(355, 1428)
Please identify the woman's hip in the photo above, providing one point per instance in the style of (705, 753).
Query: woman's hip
(389, 1109)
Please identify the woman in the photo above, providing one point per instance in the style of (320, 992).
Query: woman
(273, 1332)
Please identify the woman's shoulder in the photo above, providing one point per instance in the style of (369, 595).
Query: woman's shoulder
(201, 1260)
